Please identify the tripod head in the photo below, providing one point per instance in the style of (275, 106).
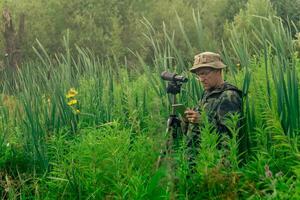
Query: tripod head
(174, 82)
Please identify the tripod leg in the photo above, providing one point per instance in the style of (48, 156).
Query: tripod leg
(172, 139)
(165, 151)
(167, 155)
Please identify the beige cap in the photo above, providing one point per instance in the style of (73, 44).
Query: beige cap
(207, 59)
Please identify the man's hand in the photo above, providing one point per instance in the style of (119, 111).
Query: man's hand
(192, 116)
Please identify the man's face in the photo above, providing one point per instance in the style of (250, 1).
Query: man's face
(208, 77)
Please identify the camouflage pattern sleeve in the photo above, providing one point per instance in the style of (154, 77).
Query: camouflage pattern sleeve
(230, 102)
(184, 127)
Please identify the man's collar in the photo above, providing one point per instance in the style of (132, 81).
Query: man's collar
(217, 88)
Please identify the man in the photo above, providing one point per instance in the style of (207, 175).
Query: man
(218, 101)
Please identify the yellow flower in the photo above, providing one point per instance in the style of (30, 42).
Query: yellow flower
(71, 93)
(77, 111)
(72, 102)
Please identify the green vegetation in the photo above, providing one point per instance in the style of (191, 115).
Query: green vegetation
(79, 122)
(114, 29)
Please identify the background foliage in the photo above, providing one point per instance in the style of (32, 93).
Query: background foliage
(114, 28)
(84, 116)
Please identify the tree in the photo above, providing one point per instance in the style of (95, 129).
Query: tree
(13, 40)
(250, 18)
(288, 9)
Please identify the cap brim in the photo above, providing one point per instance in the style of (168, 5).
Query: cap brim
(214, 65)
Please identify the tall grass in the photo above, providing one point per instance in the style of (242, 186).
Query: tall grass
(106, 144)
(268, 79)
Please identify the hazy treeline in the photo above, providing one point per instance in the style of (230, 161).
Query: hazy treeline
(115, 28)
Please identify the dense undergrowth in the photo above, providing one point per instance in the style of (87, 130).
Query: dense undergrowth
(80, 128)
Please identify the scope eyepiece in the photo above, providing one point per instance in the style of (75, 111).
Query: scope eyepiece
(168, 76)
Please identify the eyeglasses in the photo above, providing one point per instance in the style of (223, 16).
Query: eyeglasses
(203, 72)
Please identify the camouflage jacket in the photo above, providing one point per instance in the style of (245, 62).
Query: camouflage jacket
(220, 102)
(217, 104)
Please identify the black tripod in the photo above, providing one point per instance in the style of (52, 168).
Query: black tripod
(173, 138)
(174, 123)
(173, 130)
